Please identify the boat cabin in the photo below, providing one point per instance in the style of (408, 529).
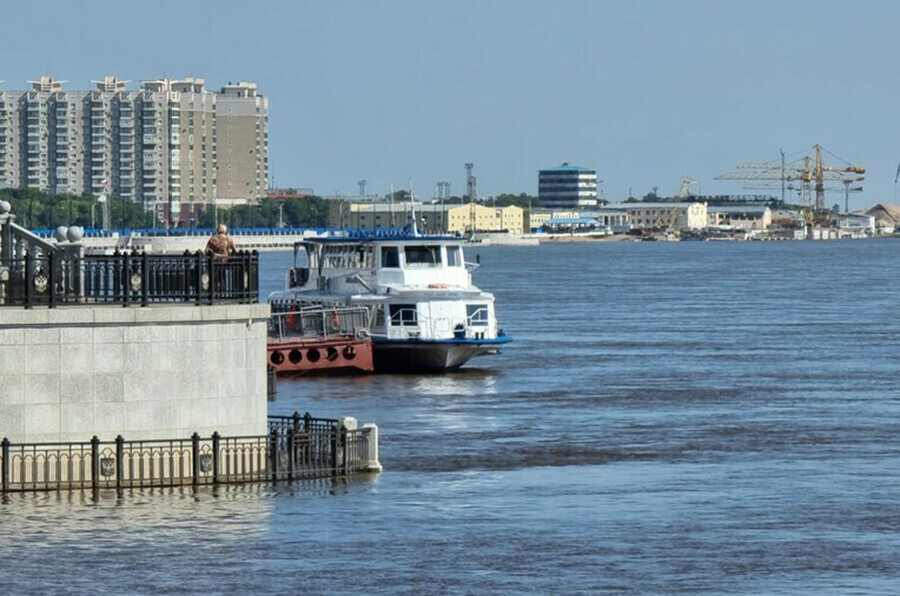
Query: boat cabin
(341, 265)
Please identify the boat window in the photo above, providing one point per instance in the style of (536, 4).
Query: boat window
(390, 256)
(403, 314)
(454, 256)
(477, 314)
(423, 256)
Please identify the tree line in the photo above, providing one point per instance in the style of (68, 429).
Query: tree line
(36, 209)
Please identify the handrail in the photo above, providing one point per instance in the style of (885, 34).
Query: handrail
(435, 327)
(135, 278)
(318, 322)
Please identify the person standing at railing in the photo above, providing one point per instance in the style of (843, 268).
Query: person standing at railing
(221, 244)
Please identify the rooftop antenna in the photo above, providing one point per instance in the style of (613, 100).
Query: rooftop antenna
(412, 211)
(444, 193)
(472, 191)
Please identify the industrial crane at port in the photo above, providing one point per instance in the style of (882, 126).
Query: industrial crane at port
(685, 190)
(807, 174)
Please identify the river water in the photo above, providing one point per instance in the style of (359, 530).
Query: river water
(672, 417)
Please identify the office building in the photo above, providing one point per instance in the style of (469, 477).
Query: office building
(567, 187)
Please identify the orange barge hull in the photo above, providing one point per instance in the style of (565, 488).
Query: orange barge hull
(321, 355)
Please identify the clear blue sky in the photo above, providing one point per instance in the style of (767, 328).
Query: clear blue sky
(645, 92)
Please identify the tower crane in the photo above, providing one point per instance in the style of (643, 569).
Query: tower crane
(809, 175)
(685, 190)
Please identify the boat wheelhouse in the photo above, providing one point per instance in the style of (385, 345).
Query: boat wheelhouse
(424, 312)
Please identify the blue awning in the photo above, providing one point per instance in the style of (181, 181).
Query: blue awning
(572, 221)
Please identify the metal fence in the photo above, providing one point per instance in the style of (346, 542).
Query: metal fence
(296, 447)
(53, 279)
(317, 322)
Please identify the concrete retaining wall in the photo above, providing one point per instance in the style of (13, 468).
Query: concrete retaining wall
(157, 372)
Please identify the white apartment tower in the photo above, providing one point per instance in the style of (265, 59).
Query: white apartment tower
(158, 146)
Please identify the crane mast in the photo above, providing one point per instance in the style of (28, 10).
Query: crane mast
(809, 175)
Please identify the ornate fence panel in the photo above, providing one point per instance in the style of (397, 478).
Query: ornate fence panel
(243, 459)
(128, 279)
(297, 447)
(47, 466)
(356, 453)
(147, 464)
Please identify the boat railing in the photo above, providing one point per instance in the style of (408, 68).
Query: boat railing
(409, 323)
(318, 322)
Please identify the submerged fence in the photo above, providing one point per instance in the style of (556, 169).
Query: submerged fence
(296, 447)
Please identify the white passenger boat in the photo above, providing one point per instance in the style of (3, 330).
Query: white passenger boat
(425, 314)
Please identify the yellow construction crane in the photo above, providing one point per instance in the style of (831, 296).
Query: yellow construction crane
(807, 174)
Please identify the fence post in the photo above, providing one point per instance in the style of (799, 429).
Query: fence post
(195, 459)
(126, 279)
(215, 447)
(29, 278)
(120, 464)
(95, 462)
(344, 446)
(335, 440)
(273, 453)
(198, 265)
(292, 459)
(52, 276)
(254, 277)
(145, 280)
(307, 422)
(4, 472)
(212, 279)
(247, 278)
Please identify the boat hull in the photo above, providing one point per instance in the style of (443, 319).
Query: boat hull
(321, 355)
(411, 356)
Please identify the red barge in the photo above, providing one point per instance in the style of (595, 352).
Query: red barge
(318, 340)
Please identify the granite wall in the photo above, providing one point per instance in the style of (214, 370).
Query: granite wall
(160, 371)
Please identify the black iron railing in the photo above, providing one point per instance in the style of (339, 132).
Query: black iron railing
(296, 447)
(54, 279)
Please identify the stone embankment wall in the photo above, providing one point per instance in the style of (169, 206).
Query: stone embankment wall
(158, 372)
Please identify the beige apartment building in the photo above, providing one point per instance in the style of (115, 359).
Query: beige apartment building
(678, 216)
(157, 146)
(242, 129)
(432, 218)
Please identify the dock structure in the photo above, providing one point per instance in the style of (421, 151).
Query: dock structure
(142, 358)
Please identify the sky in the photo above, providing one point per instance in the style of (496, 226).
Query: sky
(645, 92)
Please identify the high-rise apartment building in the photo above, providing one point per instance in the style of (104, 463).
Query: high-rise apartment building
(242, 126)
(567, 187)
(158, 146)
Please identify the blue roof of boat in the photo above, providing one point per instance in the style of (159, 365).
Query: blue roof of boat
(379, 235)
(568, 221)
